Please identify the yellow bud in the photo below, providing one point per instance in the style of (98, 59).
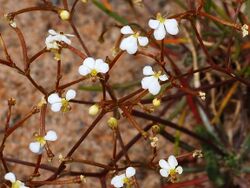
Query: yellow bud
(64, 14)
(156, 102)
(112, 123)
(93, 110)
(156, 129)
(41, 102)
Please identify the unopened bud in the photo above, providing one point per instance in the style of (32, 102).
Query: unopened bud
(12, 101)
(244, 30)
(64, 15)
(156, 129)
(94, 109)
(41, 102)
(112, 123)
(202, 95)
(197, 154)
(154, 141)
(156, 102)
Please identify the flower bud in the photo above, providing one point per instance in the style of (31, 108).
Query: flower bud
(202, 95)
(156, 129)
(64, 15)
(156, 102)
(112, 123)
(244, 30)
(11, 101)
(94, 109)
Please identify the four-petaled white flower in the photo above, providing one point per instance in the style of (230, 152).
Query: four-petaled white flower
(38, 146)
(58, 103)
(52, 41)
(93, 67)
(14, 182)
(170, 168)
(151, 81)
(163, 26)
(130, 43)
(120, 180)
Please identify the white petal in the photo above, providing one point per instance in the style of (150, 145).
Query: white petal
(148, 71)
(65, 39)
(10, 177)
(171, 26)
(179, 169)
(22, 185)
(71, 94)
(164, 164)
(54, 98)
(36, 147)
(164, 173)
(56, 107)
(172, 161)
(130, 171)
(49, 39)
(129, 44)
(160, 32)
(163, 77)
(143, 41)
(117, 181)
(84, 70)
(69, 35)
(126, 30)
(89, 62)
(51, 136)
(154, 87)
(145, 82)
(101, 66)
(153, 24)
(52, 32)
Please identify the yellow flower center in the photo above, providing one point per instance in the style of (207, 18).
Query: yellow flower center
(16, 184)
(128, 182)
(93, 72)
(65, 105)
(173, 175)
(41, 140)
(157, 74)
(160, 18)
(137, 34)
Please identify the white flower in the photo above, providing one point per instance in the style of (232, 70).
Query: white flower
(57, 102)
(130, 43)
(14, 182)
(151, 81)
(163, 26)
(52, 41)
(170, 168)
(120, 180)
(244, 30)
(38, 145)
(93, 67)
